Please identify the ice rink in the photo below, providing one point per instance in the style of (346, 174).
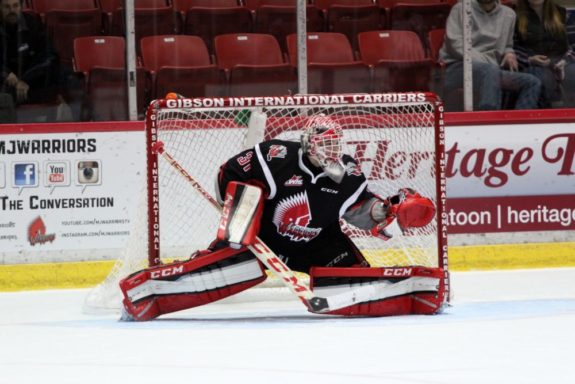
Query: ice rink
(504, 327)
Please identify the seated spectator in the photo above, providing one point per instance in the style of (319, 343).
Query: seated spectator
(495, 67)
(28, 63)
(543, 49)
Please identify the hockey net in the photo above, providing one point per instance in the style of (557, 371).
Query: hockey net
(396, 138)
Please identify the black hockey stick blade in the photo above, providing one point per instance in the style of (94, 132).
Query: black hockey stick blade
(318, 304)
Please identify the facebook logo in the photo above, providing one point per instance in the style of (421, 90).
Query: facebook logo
(25, 174)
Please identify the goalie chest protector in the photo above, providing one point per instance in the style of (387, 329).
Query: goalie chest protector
(303, 205)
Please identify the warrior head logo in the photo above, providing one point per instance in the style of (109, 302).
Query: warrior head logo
(292, 216)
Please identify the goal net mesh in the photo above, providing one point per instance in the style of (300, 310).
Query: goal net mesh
(393, 137)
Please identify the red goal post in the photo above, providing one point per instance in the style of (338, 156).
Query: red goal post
(397, 138)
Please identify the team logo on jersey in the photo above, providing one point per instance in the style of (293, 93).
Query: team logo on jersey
(295, 181)
(292, 216)
(352, 169)
(277, 151)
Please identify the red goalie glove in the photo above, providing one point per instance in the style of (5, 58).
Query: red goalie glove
(409, 208)
(413, 210)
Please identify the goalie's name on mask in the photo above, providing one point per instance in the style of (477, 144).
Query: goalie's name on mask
(276, 101)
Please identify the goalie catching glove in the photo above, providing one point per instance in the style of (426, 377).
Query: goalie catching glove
(409, 208)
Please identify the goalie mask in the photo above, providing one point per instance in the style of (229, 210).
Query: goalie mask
(321, 141)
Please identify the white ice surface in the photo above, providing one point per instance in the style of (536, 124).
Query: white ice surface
(503, 327)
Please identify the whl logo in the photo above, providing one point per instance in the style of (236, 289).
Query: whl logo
(37, 232)
(295, 181)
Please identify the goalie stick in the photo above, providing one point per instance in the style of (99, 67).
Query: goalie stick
(316, 304)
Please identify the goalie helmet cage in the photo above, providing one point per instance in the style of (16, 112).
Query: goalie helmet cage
(397, 138)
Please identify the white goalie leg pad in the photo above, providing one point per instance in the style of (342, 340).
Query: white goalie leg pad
(381, 291)
(243, 208)
(185, 284)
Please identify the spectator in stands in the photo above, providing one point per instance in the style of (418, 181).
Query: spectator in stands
(543, 49)
(495, 67)
(28, 61)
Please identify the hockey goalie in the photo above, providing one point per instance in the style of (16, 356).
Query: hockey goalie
(292, 196)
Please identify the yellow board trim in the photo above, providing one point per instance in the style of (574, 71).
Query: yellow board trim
(21, 277)
(512, 256)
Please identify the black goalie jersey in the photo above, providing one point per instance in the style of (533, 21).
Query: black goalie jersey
(303, 205)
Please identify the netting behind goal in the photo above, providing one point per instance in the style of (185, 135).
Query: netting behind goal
(396, 138)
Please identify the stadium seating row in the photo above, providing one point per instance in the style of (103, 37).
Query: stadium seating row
(67, 20)
(249, 65)
(111, 5)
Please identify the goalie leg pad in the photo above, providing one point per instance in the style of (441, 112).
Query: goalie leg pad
(396, 291)
(185, 284)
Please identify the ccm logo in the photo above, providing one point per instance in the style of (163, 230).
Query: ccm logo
(167, 272)
(397, 272)
(329, 190)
